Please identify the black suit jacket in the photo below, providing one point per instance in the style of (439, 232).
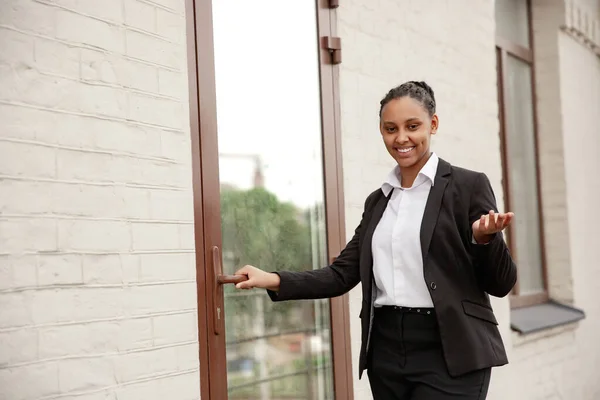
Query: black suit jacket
(459, 274)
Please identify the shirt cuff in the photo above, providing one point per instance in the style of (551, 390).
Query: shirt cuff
(475, 242)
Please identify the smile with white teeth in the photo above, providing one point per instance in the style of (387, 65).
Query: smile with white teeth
(405, 150)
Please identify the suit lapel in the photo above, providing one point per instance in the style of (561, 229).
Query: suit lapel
(433, 206)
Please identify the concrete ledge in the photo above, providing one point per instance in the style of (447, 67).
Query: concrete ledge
(543, 316)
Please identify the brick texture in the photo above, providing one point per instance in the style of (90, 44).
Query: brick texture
(580, 82)
(97, 266)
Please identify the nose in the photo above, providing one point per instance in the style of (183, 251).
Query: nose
(401, 137)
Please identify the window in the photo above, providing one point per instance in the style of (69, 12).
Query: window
(518, 133)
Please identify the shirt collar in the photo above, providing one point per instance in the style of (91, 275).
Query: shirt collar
(427, 172)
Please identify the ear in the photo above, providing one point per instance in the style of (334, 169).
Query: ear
(435, 124)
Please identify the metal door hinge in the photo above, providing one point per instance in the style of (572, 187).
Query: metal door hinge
(334, 3)
(334, 45)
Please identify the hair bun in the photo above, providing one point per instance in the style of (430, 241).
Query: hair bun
(425, 86)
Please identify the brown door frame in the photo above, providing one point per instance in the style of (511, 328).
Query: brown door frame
(203, 128)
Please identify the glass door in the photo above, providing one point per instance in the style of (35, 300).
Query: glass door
(264, 199)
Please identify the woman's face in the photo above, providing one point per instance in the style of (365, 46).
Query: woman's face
(406, 128)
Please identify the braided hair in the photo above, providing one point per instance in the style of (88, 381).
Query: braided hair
(419, 91)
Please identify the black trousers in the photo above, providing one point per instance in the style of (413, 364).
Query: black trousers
(406, 360)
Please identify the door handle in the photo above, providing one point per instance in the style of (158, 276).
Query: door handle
(235, 279)
(221, 280)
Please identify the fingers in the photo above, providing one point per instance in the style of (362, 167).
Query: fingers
(501, 221)
(249, 284)
(245, 270)
(509, 218)
(495, 222)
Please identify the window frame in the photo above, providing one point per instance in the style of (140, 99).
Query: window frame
(504, 49)
(203, 131)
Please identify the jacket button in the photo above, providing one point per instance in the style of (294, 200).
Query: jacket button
(433, 286)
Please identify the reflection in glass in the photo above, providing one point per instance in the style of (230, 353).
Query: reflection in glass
(522, 175)
(272, 195)
(512, 21)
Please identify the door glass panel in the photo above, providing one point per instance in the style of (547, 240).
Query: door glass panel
(522, 175)
(272, 194)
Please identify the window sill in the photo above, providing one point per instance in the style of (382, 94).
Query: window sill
(545, 317)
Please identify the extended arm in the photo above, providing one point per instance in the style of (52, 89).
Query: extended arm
(332, 281)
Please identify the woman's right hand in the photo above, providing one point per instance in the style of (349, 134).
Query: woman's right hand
(257, 278)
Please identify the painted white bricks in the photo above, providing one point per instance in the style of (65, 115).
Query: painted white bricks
(140, 15)
(136, 334)
(108, 10)
(19, 346)
(79, 339)
(30, 381)
(108, 268)
(56, 57)
(19, 235)
(163, 328)
(99, 66)
(20, 271)
(157, 111)
(164, 54)
(166, 267)
(93, 235)
(60, 269)
(13, 153)
(97, 266)
(169, 25)
(74, 27)
(30, 16)
(547, 19)
(85, 373)
(148, 236)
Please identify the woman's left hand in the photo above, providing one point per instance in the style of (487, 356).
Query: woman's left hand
(488, 225)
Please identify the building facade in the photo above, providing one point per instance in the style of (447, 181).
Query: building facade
(150, 145)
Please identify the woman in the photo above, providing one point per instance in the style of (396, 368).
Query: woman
(428, 252)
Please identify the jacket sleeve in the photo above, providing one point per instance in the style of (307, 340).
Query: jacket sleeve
(493, 264)
(332, 281)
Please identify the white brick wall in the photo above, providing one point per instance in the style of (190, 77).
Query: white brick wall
(580, 85)
(97, 275)
(547, 19)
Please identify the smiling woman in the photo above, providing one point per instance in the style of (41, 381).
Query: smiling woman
(407, 121)
(429, 251)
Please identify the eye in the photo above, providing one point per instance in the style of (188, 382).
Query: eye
(413, 127)
(391, 129)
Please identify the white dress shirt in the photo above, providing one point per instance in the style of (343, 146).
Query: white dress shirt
(396, 244)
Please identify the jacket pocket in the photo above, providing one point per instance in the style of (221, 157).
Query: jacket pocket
(479, 311)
